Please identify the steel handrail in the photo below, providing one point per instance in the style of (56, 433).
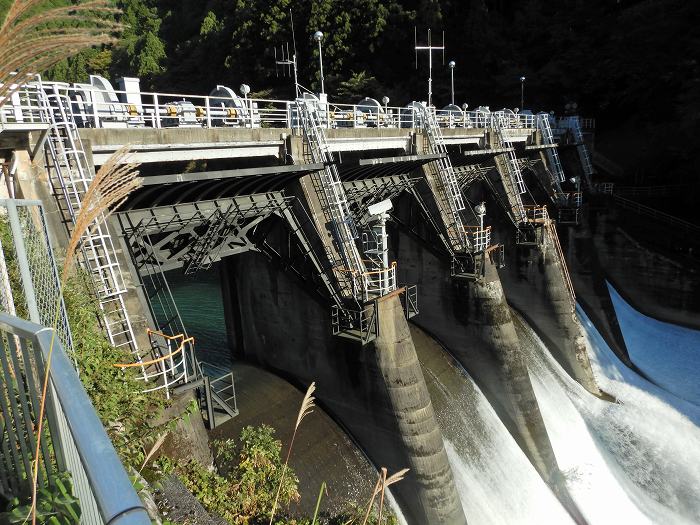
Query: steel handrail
(117, 502)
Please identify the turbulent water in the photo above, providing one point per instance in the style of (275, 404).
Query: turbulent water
(632, 461)
(635, 460)
(496, 482)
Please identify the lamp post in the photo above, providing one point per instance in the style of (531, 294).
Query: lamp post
(245, 89)
(522, 92)
(318, 36)
(452, 65)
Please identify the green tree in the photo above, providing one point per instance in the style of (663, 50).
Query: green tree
(140, 52)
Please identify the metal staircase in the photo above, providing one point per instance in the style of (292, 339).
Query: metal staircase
(509, 166)
(336, 209)
(71, 176)
(557, 170)
(584, 155)
(449, 195)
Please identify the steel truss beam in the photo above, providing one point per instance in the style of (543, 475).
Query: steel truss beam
(195, 235)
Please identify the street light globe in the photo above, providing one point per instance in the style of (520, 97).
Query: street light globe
(318, 36)
(385, 100)
(451, 64)
(480, 209)
(245, 89)
(465, 106)
(522, 79)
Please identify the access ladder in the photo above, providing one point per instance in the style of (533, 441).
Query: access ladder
(584, 156)
(336, 208)
(71, 176)
(508, 165)
(449, 198)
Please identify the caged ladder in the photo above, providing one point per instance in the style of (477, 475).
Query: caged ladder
(509, 163)
(552, 154)
(450, 199)
(584, 155)
(71, 177)
(337, 207)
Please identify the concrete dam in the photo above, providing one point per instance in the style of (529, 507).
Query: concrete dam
(453, 281)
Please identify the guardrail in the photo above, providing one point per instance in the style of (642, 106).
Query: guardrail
(655, 214)
(480, 238)
(75, 440)
(93, 107)
(536, 213)
(172, 364)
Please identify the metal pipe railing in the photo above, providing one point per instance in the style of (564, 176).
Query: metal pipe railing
(76, 432)
(99, 108)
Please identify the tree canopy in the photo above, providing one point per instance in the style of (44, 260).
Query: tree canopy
(632, 64)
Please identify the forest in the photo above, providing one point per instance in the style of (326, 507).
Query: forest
(631, 64)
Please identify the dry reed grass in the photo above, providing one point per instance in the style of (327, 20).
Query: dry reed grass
(32, 43)
(380, 488)
(107, 191)
(306, 408)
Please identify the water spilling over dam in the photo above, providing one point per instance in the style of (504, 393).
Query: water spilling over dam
(421, 267)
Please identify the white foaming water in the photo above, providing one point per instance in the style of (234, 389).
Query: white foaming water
(496, 482)
(634, 461)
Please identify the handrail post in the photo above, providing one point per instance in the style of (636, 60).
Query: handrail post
(155, 109)
(95, 112)
(208, 110)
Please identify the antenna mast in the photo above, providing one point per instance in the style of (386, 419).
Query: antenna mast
(287, 60)
(429, 48)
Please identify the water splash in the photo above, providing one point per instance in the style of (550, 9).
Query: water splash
(634, 461)
(496, 482)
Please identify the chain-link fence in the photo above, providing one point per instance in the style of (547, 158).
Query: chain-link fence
(29, 278)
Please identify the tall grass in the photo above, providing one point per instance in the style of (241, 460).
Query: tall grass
(380, 489)
(112, 184)
(33, 40)
(307, 405)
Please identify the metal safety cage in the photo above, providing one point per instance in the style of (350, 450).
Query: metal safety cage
(29, 279)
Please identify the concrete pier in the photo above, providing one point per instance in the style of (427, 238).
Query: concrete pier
(377, 392)
(410, 403)
(572, 341)
(490, 317)
(473, 321)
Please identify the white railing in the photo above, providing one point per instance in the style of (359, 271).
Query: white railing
(480, 238)
(379, 282)
(171, 365)
(23, 107)
(536, 213)
(574, 199)
(99, 108)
